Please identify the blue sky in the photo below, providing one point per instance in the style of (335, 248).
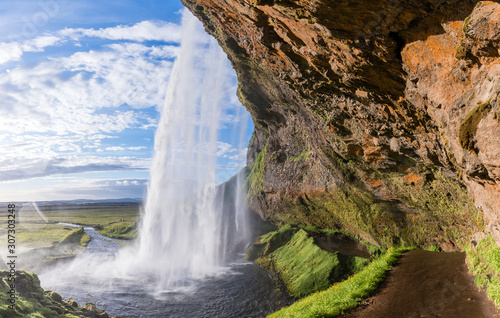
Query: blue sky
(81, 86)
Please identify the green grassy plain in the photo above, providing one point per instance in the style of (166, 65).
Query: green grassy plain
(34, 231)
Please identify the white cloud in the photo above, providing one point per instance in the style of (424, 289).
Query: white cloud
(241, 156)
(76, 94)
(223, 149)
(69, 187)
(228, 151)
(61, 115)
(140, 32)
(101, 136)
(13, 51)
(117, 148)
(29, 168)
(120, 148)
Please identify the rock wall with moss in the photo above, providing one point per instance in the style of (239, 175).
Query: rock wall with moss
(21, 296)
(377, 117)
(308, 259)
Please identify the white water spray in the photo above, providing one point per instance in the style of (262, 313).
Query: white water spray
(187, 226)
(189, 223)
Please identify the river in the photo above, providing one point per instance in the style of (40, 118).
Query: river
(241, 289)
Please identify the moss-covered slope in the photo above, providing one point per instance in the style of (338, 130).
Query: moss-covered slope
(22, 297)
(293, 254)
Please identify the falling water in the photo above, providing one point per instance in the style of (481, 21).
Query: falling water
(189, 223)
(192, 226)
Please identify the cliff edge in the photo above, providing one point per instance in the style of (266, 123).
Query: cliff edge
(378, 117)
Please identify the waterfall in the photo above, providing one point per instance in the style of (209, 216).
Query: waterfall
(189, 223)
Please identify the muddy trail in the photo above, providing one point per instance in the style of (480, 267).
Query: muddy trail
(428, 284)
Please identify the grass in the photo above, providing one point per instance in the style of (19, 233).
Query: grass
(255, 180)
(42, 237)
(33, 231)
(40, 240)
(93, 216)
(302, 156)
(303, 266)
(122, 230)
(76, 237)
(484, 263)
(468, 126)
(344, 295)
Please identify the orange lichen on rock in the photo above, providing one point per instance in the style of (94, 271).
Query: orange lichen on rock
(411, 178)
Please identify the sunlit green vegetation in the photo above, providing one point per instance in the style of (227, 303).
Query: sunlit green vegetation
(34, 302)
(32, 231)
(343, 295)
(484, 263)
(292, 253)
(121, 230)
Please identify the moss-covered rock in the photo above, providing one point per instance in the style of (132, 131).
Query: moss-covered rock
(414, 205)
(468, 126)
(21, 296)
(268, 243)
(304, 267)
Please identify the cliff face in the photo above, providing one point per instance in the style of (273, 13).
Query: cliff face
(379, 117)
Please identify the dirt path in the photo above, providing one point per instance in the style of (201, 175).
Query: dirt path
(428, 284)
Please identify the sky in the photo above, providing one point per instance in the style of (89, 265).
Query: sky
(81, 88)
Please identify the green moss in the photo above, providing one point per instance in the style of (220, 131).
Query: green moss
(268, 243)
(444, 208)
(484, 263)
(302, 265)
(432, 210)
(468, 126)
(461, 51)
(343, 295)
(33, 301)
(85, 240)
(466, 25)
(252, 140)
(302, 156)
(255, 180)
(433, 248)
(75, 237)
(120, 230)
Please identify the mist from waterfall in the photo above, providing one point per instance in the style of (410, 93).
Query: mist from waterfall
(192, 226)
(189, 224)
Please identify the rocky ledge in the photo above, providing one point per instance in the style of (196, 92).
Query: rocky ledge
(378, 117)
(23, 297)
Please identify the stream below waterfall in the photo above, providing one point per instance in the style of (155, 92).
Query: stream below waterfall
(241, 289)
